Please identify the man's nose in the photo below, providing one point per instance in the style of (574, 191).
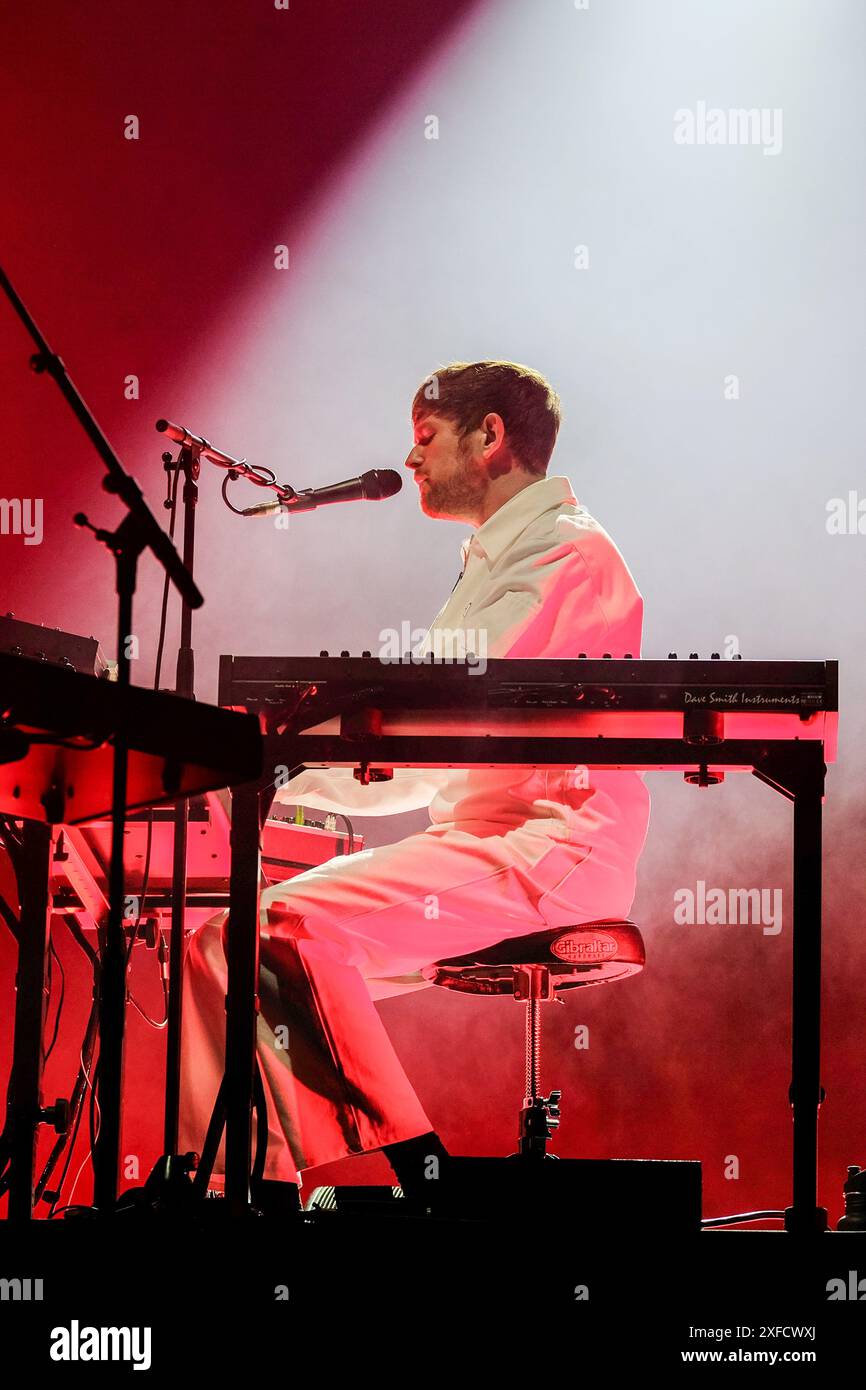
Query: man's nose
(413, 459)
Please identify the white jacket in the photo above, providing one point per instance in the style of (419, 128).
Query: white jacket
(541, 578)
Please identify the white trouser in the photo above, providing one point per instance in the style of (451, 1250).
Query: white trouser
(357, 929)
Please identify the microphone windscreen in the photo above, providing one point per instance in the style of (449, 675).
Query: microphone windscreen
(381, 482)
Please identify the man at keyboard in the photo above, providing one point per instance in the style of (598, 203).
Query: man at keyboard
(508, 852)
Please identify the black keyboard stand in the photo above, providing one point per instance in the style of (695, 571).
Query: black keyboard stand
(250, 806)
(792, 767)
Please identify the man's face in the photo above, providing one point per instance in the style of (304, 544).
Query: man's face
(449, 471)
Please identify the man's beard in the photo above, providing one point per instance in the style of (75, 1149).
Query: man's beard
(460, 494)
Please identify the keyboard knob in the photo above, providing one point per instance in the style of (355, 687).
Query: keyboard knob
(344, 653)
(672, 656)
(627, 656)
(581, 656)
(323, 653)
(714, 656)
(366, 653)
(605, 656)
(693, 656)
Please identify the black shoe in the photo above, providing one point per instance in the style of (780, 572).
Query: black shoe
(421, 1165)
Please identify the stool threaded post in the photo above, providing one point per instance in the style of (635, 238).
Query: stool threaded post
(533, 1048)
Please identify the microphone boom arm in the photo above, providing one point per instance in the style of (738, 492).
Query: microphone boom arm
(237, 468)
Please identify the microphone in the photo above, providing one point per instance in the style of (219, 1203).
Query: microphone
(371, 486)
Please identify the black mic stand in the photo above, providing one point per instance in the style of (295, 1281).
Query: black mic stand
(137, 532)
(168, 1184)
(189, 463)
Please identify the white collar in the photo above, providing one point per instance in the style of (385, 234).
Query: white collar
(502, 528)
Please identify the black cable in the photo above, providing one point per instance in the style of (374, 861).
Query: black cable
(86, 1057)
(171, 504)
(52, 1211)
(265, 477)
(86, 1080)
(224, 490)
(92, 1117)
(5, 1171)
(13, 846)
(52, 952)
(349, 831)
(742, 1217)
(76, 1109)
(145, 878)
(158, 1024)
(67, 1140)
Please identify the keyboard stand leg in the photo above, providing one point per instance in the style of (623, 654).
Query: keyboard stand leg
(806, 1093)
(242, 999)
(24, 1112)
(799, 775)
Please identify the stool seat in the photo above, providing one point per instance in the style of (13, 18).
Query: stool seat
(531, 969)
(586, 953)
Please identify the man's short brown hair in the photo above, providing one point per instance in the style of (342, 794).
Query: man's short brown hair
(464, 392)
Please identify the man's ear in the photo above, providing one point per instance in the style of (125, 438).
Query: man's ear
(489, 424)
